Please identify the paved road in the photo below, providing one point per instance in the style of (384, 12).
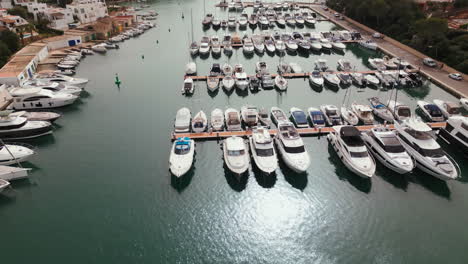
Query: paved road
(396, 49)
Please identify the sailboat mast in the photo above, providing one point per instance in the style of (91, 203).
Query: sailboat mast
(191, 21)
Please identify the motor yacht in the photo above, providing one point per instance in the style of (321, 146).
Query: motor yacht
(278, 115)
(345, 78)
(38, 116)
(364, 113)
(59, 78)
(321, 65)
(387, 148)
(182, 120)
(199, 122)
(299, 117)
(215, 46)
(399, 110)
(347, 142)
(217, 119)
(455, 133)
(316, 79)
(53, 86)
(188, 86)
(17, 127)
(371, 80)
(233, 120)
(14, 154)
(228, 82)
(358, 78)
(236, 155)
(317, 118)
(263, 150)
(190, 68)
(417, 139)
(264, 118)
(291, 147)
(38, 98)
(377, 64)
(249, 115)
(331, 78)
(430, 111)
(344, 65)
(448, 108)
(348, 116)
(181, 158)
(332, 115)
(281, 83)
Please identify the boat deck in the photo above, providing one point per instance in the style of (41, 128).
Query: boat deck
(301, 131)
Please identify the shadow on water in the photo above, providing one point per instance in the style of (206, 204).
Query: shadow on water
(397, 180)
(303, 54)
(43, 141)
(420, 92)
(263, 179)
(315, 88)
(242, 93)
(332, 88)
(212, 94)
(361, 184)
(181, 183)
(297, 180)
(236, 182)
(431, 183)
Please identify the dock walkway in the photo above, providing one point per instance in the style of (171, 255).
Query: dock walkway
(301, 131)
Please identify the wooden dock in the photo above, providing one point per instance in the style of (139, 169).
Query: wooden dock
(286, 75)
(301, 131)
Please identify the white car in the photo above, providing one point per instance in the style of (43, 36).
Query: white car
(429, 62)
(456, 76)
(337, 15)
(377, 35)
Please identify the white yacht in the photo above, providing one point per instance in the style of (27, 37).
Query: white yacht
(38, 116)
(332, 115)
(242, 81)
(37, 98)
(331, 78)
(228, 82)
(291, 147)
(416, 138)
(364, 113)
(13, 154)
(233, 120)
(236, 155)
(338, 45)
(386, 147)
(263, 150)
(215, 45)
(455, 133)
(431, 111)
(204, 48)
(199, 122)
(182, 121)
(377, 64)
(191, 68)
(188, 86)
(217, 119)
(181, 158)
(448, 108)
(278, 115)
(316, 79)
(249, 115)
(349, 117)
(299, 117)
(369, 44)
(325, 44)
(281, 83)
(371, 80)
(347, 142)
(54, 87)
(17, 127)
(399, 110)
(59, 78)
(264, 117)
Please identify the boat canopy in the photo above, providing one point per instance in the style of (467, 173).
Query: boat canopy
(300, 117)
(433, 110)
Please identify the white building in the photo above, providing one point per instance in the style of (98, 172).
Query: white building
(59, 17)
(11, 22)
(88, 11)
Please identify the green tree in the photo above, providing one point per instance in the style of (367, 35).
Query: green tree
(11, 40)
(28, 28)
(460, 3)
(18, 11)
(5, 53)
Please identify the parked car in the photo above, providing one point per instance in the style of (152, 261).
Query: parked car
(456, 76)
(337, 15)
(377, 35)
(325, 8)
(429, 62)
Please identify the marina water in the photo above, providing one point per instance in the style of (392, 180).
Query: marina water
(101, 192)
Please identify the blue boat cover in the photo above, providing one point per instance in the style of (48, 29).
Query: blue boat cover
(317, 117)
(379, 106)
(300, 117)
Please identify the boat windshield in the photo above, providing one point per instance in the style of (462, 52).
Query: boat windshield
(299, 149)
(236, 152)
(264, 152)
(198, 124)
(405, 112)
(380, 106)
(182, 149)
(433, 110)
(432, 153)
(355, 154)
(353, 141)
(418, 134)
(391, 144)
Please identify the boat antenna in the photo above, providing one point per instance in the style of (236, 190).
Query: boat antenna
(191, 20)
(204, 8)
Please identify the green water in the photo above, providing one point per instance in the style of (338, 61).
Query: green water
(100, 191)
